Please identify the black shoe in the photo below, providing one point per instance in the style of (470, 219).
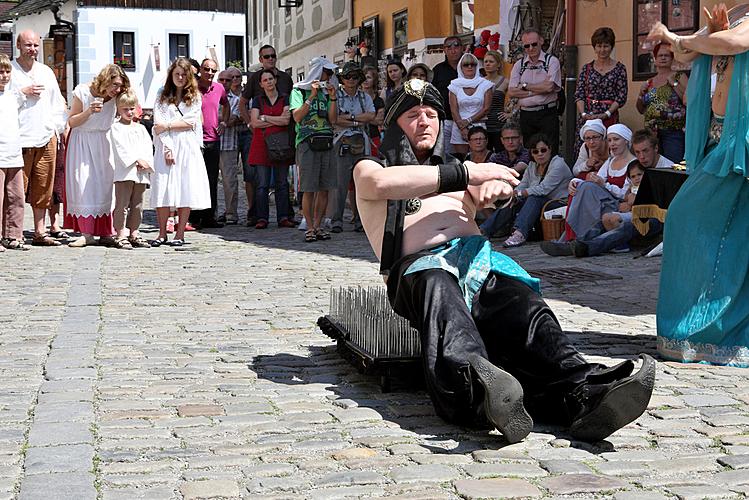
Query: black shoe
(210, 224)
(604, 408)
(503, 400)
(556, 249)
(579, 249)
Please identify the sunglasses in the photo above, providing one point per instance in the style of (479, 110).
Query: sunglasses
(351, 76)
(539, 151)
(208, 70)
(452, 44)
(269, 56)
(529, 45)
(469, 65)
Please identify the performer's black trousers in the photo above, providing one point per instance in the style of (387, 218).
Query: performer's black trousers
(509, 324)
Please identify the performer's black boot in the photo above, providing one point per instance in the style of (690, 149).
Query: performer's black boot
(502, 399)
(609, 400)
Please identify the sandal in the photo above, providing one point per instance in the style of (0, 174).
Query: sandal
(60, 235)
(159, 241)
(176, 242)
(322, 234)
(16, 245)
(122, 244)
(138, 242)
(310, 236)
(44, 240)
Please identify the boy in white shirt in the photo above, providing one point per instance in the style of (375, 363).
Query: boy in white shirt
(11, 163)
(133, 156)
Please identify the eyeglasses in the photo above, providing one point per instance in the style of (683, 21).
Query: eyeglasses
(452, 45)
(529, 45)
(237, 76)
(594, 138)
(539, 151)
(511, 138)
(469, 65)
(224, 79)
(351, 76)
(269, 56)
(208, 70)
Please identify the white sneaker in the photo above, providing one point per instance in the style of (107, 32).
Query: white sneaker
(515, 240)
(302, 225)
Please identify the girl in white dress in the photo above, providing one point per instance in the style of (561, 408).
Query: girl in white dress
(89, 176)
(470, 100)
(180, 181)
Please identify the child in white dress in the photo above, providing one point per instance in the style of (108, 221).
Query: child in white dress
(180, 181)
(89, 174)
(133, 156)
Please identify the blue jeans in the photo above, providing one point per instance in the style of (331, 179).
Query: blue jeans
(601, 241)
(672, 144)
(531, 211)
(281, 191)
(244, 139)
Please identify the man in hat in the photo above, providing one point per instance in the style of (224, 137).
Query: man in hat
(355, 111)
(493, 352)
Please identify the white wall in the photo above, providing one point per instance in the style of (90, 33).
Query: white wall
(152, 29)
(40, 24)
(327, 40)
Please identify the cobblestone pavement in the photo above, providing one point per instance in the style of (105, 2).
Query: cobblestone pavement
(199, 373)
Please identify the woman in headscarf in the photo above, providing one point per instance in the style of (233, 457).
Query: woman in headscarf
(600, 193)
(593, 151)
(470, 100)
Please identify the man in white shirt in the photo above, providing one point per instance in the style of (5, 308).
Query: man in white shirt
(645, 148)
(42, 121)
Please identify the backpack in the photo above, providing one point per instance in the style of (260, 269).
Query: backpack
(561, 96)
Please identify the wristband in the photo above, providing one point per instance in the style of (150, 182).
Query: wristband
(452, 177)
(308, 102)
(608, 114)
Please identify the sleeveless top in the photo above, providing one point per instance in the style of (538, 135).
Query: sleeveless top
(493, 123)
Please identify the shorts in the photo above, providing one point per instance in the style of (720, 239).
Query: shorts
(317, 169)
(457, 138)
(39, 173)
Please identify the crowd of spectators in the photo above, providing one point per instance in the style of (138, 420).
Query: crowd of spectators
(205, 130)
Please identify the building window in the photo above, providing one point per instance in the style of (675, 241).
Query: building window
(179, 45)
(289, 71)
(681, 17)
(124, 49)
(6, 44)
(300, 76)
(463, 16)
(266, 10)
(234, 51)
(400, 30)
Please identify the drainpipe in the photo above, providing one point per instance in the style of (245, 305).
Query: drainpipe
(570, 70)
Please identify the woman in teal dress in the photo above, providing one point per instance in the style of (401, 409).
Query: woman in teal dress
(703, 304)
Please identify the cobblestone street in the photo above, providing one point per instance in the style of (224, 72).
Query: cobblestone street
(199, 372)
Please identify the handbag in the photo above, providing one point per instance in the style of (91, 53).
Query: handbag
(278, 146)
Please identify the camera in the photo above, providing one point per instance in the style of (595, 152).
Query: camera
(344, 149)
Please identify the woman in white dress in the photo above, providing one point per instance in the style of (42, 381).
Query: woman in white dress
(470, 100)
(89, 176)
(180, 181)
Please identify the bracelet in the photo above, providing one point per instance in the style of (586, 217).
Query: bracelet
(608, 113)
(452, 177)
(308, 102)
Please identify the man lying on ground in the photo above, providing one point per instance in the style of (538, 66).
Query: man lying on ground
(493, 351)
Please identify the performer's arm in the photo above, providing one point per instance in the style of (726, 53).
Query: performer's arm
(723, 43)
(374, 182)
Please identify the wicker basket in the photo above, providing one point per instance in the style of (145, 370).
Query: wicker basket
(551, 229)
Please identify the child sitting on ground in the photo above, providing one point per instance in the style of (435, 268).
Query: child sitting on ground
(11, 163)
(612, 220)
(133, 156)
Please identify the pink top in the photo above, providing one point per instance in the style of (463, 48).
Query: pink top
(524, 71)
(213, 96)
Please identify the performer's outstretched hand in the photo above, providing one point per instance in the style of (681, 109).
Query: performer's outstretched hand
(479, 173)
(718, 19)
